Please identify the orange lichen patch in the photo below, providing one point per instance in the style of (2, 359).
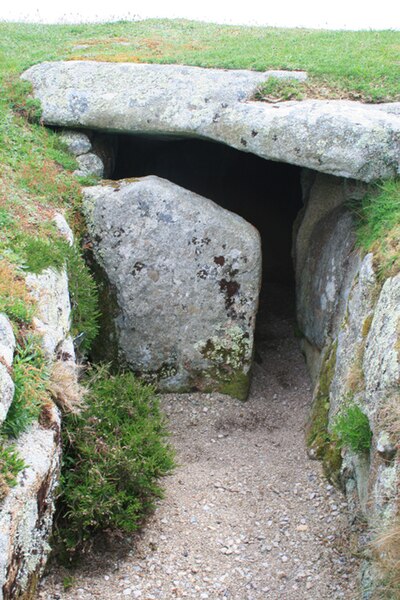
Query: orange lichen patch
(47, 178)
(102, 41)
(120, 57)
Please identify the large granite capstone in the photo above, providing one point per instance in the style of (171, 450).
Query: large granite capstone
(341, 138)
(186, 274)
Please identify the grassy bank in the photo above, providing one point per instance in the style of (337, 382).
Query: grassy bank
(362, 64)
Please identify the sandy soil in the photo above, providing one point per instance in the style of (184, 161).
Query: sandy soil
(246, 515)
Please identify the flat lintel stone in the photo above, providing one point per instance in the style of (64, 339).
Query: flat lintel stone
(342, 138)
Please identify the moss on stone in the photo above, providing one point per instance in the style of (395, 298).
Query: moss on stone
(237, 386)
(366, 326)
(317, 430)
(324, 445)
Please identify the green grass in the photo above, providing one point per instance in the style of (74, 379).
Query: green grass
(352, 427)
(10, 465)
(364, 63)
(378, 226)
(30, 375)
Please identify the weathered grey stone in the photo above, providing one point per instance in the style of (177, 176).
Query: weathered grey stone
(348, 377)
(321, 195)
(187, 276)
(76, 142)
(7, 341)
(320, 283)
(50, 290)
(63, 227)
(26, 512)
(382, 356)
(7, 347)
(89, 164)
(6, 392)
(338, 137)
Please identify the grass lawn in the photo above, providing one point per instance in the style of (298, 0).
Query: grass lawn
(362, 64)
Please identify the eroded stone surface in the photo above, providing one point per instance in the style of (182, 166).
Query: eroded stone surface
(352, 335)
(7, 347)
(27, 511)
(77, 142)
(320, 283)
(187, 276)
(50, 290)
(89, 164)
(338, 137)
(7, 340)
(382, 354)
(6, 391)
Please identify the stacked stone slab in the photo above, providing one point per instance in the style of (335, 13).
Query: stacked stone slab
(343, 138)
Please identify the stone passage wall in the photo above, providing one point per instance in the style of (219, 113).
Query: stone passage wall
(26, 513)
(350, 319)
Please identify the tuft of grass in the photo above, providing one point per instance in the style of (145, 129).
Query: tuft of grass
(386, 551)
(114, 452)
(10, 466)
(30, 378)
(39, 253)
(352, 427)
(84, 298)
(64, 387)
(378, 226)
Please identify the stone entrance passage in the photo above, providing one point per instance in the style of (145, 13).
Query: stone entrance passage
(186, 271)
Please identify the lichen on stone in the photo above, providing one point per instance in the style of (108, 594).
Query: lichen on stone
(230, 356)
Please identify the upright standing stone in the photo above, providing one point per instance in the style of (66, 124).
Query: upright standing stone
(187, 276)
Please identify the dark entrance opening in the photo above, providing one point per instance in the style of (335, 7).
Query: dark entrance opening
(265, 193)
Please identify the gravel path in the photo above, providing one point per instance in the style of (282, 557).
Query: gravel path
(246, 516)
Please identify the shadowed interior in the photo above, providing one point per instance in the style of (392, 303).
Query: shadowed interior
(265, 193)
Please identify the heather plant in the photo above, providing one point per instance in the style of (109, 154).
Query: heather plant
(115, 450)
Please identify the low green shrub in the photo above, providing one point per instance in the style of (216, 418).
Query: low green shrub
(114, 452)
(30, 377)
(84, 298)
(378, 226)
(352, 427)
(10, 465)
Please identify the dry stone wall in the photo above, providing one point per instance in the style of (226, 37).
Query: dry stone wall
(26, 513)
(351, 327)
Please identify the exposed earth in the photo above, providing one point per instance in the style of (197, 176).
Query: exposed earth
(246, 514)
